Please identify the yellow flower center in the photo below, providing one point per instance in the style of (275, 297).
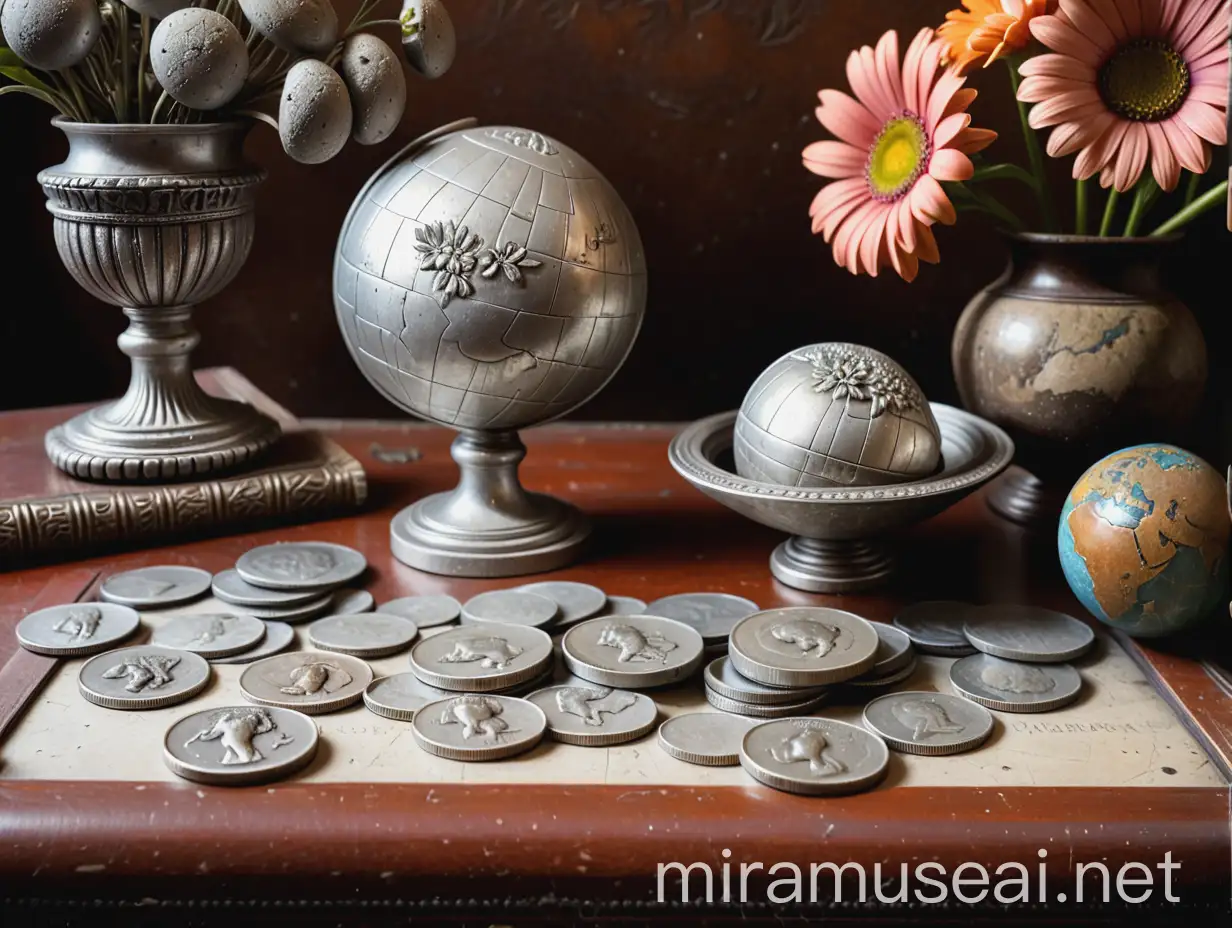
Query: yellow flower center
(1144, 80)
(898, 157)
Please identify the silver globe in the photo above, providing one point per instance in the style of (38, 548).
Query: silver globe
(489, 279)
(835, 415)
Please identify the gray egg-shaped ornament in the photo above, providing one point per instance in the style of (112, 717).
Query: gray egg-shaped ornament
(157, 9)
(315, 115)
(199, 58)
(429, 40)
(51, 34)
(294, 25)
(373, 76)
(835, 415)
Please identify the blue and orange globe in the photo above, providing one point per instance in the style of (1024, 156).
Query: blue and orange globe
(1143, 540)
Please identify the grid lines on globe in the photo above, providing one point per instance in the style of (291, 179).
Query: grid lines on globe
(494, 279)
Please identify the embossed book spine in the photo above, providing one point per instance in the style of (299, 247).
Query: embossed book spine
(93, 518)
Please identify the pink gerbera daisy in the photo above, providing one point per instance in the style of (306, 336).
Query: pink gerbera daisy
(907, 130)
(1132, 79)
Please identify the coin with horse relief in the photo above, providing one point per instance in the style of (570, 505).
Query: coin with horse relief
(482, 658)
(595, 716)
(479, 727)
(156, 587)
(370, 634)
(814, 756)
(930, 724)
(802, 646)
(300, 565)
(76, 629)
(632, 651)
(144, 676)
(240, 745)
(313, 682)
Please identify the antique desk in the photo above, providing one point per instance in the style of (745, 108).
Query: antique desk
(94, 828)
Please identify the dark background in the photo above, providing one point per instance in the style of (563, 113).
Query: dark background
(696, 110)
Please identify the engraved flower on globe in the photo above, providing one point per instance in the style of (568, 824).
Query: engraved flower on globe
(453, 252)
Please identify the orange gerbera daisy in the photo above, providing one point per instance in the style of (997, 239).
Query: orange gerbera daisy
(986, 30)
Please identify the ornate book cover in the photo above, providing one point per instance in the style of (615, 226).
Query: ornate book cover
(44, 512)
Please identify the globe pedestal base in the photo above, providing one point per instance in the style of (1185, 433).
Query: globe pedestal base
(1023, 498)
(488, 526)
(831, 566)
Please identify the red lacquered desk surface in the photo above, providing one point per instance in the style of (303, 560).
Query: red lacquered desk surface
(416, 844)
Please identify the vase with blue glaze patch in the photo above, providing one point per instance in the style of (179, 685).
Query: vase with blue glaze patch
(1076, 350)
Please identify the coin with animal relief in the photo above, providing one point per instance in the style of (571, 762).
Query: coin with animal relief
(210, 635)
(510, 607)
(803, 646)
(707, 739)
(595, 716)
(814, 757)
(1011, 686)
(711, 615)
(931, 724)
(145, 676)
(1028, 633)
(371, 634)
(231, 588)
(482, 658)
(240, 745)
(156, 587)
(400, 695)
(77, 629)
(425, 611)
(278, 637)
(301, 565)
(937, 627)
(313, 682)
(576, 601)
(632, 651)
(479, 727)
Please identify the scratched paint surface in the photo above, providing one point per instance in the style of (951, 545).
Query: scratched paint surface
(1119, 733)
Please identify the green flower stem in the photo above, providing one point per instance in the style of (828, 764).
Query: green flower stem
(1034, 152)
(1191, 189)
(1080, 207)
(1144, 198)
(1213, 198)
(1109, 212)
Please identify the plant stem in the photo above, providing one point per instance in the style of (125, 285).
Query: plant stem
(1144, 198)
(1191, 189)
(1214, 197)
(74, 86)
(1109, 212)
(141, 62)
(986, 203)
(125, 96)
(1034, 152)
(158, 105)
(1080, 207)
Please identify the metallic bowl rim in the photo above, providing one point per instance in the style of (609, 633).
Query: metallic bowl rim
(690, 455)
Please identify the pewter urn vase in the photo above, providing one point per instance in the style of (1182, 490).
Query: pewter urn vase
(489, 279)
(154, 219)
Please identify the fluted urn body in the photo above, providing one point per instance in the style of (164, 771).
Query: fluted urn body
(154, 219)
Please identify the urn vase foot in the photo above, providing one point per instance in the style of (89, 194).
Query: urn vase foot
(488, 525)
(831, 566)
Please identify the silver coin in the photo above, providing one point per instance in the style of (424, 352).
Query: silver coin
(712, 615)
(894, 650)
(1011, 686)
(510, 607)
(482, 658)
(292, 615)
(577, 601)
(930, 724)
(814, 757)
(153, 587)
(371, 634)
(425, 611)
(313, 682)
(210, 635)
(708, 739)
(936, 627)
(869, 682)
(278, 637)
(231, 588)
(632, 651)
(762, 711)
(595, 716)
(535, 684)
(624, 605)
(301, 565)
(479, 727)
(725, 680)
(76, 629)
(400, 695)
(240, 745)
(142, 677)
(803, 646)
(1028, 633)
